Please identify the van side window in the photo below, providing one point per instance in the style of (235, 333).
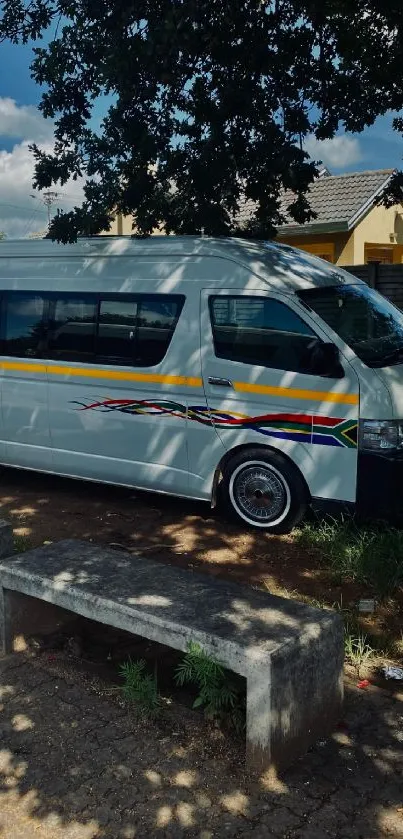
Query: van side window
(72, 328)
(262, 331)
(157, 319)
(137, 332)
(124, 331)
(25, 329)
(116, 331)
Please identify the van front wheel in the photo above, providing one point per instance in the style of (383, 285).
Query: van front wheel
(264, 490)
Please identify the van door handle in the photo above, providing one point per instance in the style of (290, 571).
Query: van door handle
(214, 380)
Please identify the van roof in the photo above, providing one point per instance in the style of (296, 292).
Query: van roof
(280, 265)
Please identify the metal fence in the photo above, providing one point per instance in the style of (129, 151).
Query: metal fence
(387, 279)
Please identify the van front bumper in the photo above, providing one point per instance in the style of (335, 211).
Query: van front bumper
(380, 485)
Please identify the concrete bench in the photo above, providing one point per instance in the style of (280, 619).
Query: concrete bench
(290, 654)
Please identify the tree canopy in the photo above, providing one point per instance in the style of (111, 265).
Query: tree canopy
(208, 101)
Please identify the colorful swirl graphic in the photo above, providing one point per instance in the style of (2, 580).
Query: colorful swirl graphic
(306, 428)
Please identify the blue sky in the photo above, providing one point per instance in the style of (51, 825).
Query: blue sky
(20, 123)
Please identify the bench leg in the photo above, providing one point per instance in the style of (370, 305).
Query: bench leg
(6, 645)
(6, 539)
(22, 616)
(258, 720)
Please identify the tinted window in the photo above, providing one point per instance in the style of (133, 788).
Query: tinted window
(25, 333)
(117, 331)
(257, 330)
(72, 327)
(365, 320)
(157, 319)
(133, 332)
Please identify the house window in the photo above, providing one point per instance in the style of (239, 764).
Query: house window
(374, 253)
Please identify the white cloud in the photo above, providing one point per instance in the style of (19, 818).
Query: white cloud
(339, 152)
(20, 214)
(23, 121)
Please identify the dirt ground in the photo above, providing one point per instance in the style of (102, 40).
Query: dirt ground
(44, 508)
(75, 763)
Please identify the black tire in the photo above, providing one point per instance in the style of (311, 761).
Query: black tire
(257, 474)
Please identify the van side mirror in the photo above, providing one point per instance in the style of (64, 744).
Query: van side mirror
(325, 360)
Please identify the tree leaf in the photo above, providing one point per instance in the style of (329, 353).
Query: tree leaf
(212, 104)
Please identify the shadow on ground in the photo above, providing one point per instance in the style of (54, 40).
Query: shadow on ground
(76, 765)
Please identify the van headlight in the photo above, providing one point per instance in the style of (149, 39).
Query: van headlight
(381, 435)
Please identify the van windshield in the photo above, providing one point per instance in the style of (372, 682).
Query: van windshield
(363, 319)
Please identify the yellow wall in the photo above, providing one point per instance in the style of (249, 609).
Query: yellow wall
(343, 244)
(381, 226)
(121, 226)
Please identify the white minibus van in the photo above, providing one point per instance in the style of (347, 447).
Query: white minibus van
(249, 372)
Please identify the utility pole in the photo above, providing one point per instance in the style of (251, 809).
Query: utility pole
(47, 198)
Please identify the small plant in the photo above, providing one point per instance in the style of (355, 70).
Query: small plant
(219, 696)
(21, 544)
(140, 687)
(356, 647)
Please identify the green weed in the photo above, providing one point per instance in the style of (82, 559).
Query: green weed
(21, 544)
(217, 693)
(372, 556)
(356, 647)
(140, 687)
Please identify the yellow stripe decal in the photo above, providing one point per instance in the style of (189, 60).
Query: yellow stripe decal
(125, 376)
(295, 393)
(181, 381)
(23, 367)
(100, 373)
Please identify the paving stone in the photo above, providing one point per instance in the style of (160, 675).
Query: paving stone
(281, 821)
(310, 832)
(78, 790)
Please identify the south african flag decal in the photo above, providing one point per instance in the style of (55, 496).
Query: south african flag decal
(302, 428)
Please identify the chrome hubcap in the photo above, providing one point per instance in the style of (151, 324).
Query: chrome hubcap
(260, 494)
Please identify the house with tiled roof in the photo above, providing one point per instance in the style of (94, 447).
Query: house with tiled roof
(349, 227)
